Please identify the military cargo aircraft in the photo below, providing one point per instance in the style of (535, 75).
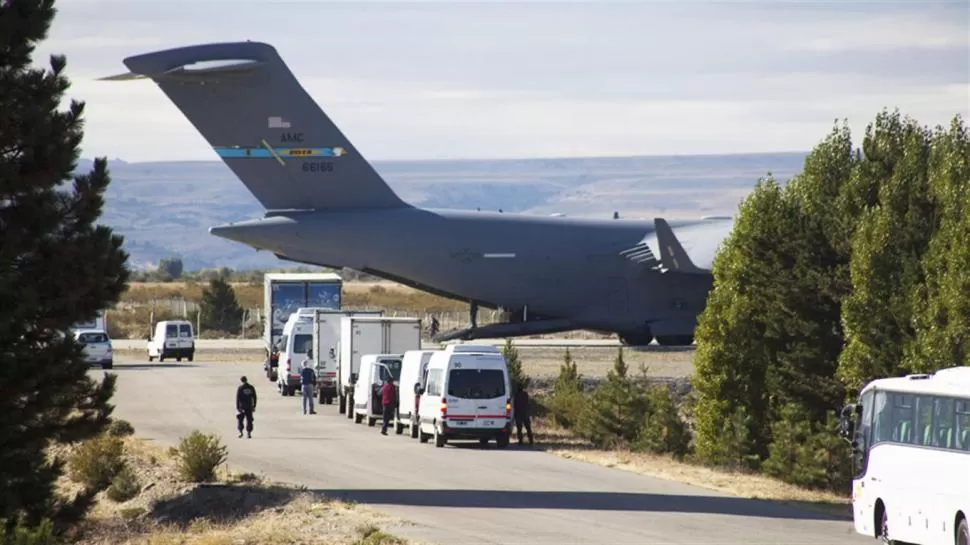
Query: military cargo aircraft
(325, 205)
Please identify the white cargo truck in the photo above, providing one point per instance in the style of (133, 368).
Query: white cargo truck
(360, 335)
(326, 348)
(283, 294)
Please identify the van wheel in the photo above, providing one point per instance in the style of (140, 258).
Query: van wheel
(323, 398)
(483, 442)
(178, 358)
(423, 437)
(350, 406)
(341, 403)
(502, 441)
(398, 427)
(439, 438)
(161, 357)
(191, 356)
(963, 533)
(371, 421)
(358, 418)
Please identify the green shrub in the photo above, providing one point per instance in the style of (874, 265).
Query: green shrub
(97, 461)
(663, 431)
(199, 455)
(372, 535)
(806, 453)
(125, 486)
(43, 534)
(121, 428)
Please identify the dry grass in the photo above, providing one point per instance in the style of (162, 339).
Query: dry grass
(386, 295)
(746, 485)
(541, 363)
(239, 509)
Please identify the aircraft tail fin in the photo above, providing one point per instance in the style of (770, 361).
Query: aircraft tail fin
(251, 109)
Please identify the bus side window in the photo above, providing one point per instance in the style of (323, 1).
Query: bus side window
(902, 417)
(943, 422)
(962, 431)
(924, 422)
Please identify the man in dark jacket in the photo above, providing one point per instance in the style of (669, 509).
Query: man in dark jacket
(245, 405)
(387, 403)
(522, 414)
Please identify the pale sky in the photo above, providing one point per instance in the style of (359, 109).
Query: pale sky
(538, 79)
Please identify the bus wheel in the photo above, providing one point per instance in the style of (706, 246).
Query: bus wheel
(884, 529)
(963, 533)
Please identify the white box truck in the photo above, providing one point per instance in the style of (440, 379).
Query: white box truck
(283, 294)
(326, 348)
(360, 335)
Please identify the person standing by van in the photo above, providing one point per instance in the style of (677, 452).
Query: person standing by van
(308, 383)
(387, 403)
(522, 415)
(245, 406)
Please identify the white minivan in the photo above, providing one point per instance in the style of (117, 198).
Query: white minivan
(295, 343)
(172, 339)
(467, 395)
(414, 371)
(374, 368)
(96, 346)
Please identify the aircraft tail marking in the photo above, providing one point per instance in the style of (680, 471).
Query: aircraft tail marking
(672, 254)
(259, 119)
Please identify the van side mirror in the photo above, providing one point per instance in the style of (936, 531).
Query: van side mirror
(847, 421)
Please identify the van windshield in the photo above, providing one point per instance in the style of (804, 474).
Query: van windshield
(476, 383)
(302, 343)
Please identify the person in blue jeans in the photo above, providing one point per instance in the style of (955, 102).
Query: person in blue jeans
(308, 381)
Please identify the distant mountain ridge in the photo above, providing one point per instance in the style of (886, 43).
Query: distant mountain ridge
(165, 208)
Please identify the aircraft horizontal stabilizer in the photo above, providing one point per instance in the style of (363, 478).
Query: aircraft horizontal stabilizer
(673, 257)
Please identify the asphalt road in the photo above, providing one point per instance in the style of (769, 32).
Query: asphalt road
(457, 494)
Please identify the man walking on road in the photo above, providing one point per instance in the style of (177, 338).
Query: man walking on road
(522, 414)
(245, 406)
(308, 382)
(387, 403)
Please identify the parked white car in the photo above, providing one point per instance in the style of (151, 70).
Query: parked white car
(97, 346)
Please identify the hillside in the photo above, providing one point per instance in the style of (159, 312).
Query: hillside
(166, 208)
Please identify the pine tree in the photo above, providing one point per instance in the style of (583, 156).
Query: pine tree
(567, 400)
(219, 308)
(663, 431)
(517, 376)
(57, 267)
(616, 410)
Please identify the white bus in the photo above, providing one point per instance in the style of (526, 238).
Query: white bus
(910, 440)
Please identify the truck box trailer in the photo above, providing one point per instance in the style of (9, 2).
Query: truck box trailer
(326, 348)
(360, 335)
(283, 294)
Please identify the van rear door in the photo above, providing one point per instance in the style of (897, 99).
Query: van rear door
(476, 397)
(185, 336)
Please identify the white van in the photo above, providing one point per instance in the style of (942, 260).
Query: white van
(172, 339)
(367, 390)
(414, 371)
(97, 347)
(467, 395)
(295, 344)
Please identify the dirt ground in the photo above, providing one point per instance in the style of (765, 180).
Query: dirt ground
(237, 509)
